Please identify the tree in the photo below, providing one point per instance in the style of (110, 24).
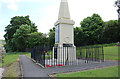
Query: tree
(79, 37)
(51, 37)
(111, 32)
(35, 39)
(15, 24)
(92, 27)
(19, 37)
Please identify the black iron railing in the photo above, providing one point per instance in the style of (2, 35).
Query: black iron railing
(48, 56)
(95, 53)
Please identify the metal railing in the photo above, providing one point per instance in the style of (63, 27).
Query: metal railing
(95, 53)
(48, 56)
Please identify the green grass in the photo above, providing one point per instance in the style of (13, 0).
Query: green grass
(111, 53)
(11, 64)
(13, 70)
(12, 57)
(106, 72)
(104, 45)
(2, 42)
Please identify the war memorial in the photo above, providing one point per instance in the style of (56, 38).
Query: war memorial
(64, 51)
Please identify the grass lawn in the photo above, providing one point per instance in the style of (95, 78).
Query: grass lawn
(111, 53)
(12, 57)
(13, 70)
(2, 42)
(106, 72)
(11, 64)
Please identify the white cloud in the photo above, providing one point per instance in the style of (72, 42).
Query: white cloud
(34, 0)
(11, 1)
(13, 6)
(38, 0)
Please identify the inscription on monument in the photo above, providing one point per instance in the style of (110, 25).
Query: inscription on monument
(57, 34)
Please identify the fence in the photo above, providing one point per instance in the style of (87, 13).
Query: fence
(91, 53)
(49, 56)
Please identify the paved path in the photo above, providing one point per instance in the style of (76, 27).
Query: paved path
(30, 69)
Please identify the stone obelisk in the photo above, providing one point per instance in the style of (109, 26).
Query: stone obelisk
(64, 33)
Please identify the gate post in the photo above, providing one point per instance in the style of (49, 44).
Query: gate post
(102, 54)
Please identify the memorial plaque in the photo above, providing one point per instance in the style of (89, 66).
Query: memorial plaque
(57, 34)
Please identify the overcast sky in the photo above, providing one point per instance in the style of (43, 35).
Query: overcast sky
(44, 13)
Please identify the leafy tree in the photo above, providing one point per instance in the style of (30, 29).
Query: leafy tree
(19, 37)
(92, 27)
(15, 24)
(51, 37)
(79, 37)
(117, 3)
(35, 39)
(111, 32)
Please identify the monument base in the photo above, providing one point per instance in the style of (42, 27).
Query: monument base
(64, 53)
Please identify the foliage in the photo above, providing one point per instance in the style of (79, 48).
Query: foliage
(117, 3)
(35, 39)
(11, 29)
(94, 30)
(21, 33)
(79, 36)
(111, 32)
(92, 27)
(51, 37)
(19, 37)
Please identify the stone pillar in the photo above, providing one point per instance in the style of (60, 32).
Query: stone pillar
(64, 33)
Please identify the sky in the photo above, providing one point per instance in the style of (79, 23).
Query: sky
(44, 13)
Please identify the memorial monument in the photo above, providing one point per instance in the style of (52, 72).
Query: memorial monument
(64, 34)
